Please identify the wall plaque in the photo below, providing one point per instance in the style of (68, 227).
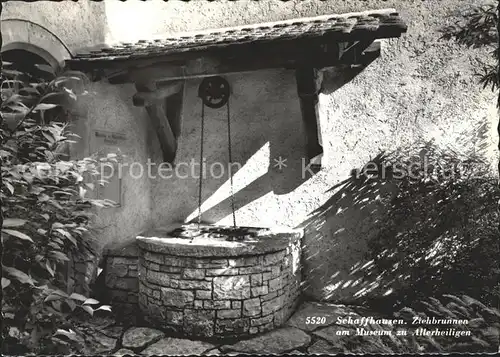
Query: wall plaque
(103, 143)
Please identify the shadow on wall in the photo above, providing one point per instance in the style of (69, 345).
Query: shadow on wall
(388, 240)
(260, 132)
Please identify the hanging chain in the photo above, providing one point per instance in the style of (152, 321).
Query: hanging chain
(230, 161)
(201, 162)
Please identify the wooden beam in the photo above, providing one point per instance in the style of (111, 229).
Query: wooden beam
(161, 125)
(138, 74)
(168, 142)
(173, 110)
(308, 87)
(146, 98)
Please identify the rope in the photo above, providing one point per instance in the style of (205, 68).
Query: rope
(201, 162)
(230, 161)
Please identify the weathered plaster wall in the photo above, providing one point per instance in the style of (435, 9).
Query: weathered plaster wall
(108, 109)
(77, 24)
(421, 86)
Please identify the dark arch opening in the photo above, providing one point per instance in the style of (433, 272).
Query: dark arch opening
(26, 61)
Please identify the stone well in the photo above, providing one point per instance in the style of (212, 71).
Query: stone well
(212, 287)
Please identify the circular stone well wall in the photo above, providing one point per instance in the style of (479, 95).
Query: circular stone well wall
(211, 287)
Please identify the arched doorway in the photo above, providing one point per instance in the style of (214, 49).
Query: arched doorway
(25, 61)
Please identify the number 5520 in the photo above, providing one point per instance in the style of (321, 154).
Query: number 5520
(315, 320)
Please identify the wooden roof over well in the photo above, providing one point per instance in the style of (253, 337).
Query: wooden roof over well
(321, 30)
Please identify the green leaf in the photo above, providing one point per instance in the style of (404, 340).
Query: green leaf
(59, 255)
(71, 304)
(46, 68)
(17, 234)
(52, 297)
(104, 307)
(76, 296)
(90, 301)
(5, 283)
(56, 305)
(89, 309)
(45, 106)
(69, 334)
(67, 235)
(49, 268)
(9, 187)
(13, 222)
(23, 278)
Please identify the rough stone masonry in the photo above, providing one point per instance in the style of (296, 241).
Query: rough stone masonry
(219, 296)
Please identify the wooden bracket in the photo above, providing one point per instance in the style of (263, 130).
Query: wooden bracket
(147, 97)
(357, 53)
(165, 121)
(308, 87)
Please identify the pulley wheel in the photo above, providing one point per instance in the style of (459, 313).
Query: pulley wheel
(214, 92)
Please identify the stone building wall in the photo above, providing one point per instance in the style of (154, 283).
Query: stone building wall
(121, 285)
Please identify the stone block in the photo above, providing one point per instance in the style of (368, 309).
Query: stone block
(174, 317)
(153, 301)
(159, 278)
(203, 294)
(177, 298)
(175, 261)
(236, 304)
(168, 269)
(198, 304)
(275, 271)
(269, 296)
(119, 270)
(199, 322)
(217, 304)
(259, 291)
(132, 267)
(253, 330)
(152, 257)
(252, 270)
(266, 276)
(252, 307)
(256, 279)
(153, 266)
(232, 326)
(133, 273)
(229, 314)
(234, 287)
(195, 284)
(139, 337)
(275, 284)
(262, 320)
(273, 258)
(272, 305)
(222, 272)
(242, 262)
(193, 274)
